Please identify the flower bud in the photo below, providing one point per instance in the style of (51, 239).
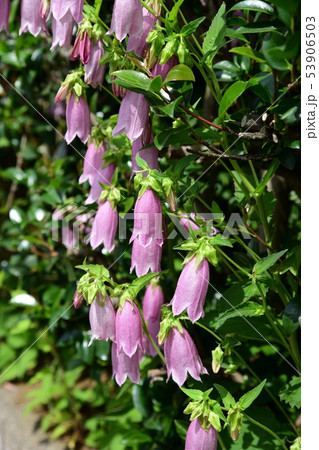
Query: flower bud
(169, 50)
(217, 357)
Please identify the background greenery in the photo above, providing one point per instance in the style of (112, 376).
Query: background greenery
(72, 382)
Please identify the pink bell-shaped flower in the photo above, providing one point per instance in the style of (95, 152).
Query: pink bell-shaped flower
(129, 330)
(31, 19)
(148, 222)
(163, 69)
(181, 357)
(77, 119)
(61, 8)
(191, 290)
(127, 19)
(93, 161)
(145, 258)
(125, 366)
(104, 227)
(152, 303)
(102, 319)
(138, 44)
(133, 116)
(94, 72)
(150, 155)
(103, 176)
(4, 14)
(198, 438)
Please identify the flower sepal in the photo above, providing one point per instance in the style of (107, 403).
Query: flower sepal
(167, 323)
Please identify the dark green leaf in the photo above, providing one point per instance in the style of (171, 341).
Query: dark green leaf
(291, 394)
(248, 309)
(265, 263)
(227, 399)
(216, 33)
(247, 399)
(249, 52)
(180, 72)
(269, 174)
(291, 318)
(192, 26)
(232, 93)
(169, 109)
(253, 5)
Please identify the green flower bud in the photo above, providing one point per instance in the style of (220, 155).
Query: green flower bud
(235, 420)
(169, 50)
(217, 358)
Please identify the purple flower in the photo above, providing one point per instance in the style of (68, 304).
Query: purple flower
(148, 219)
(145, 258)
(181, 357)
(77, 299)
(31, 19)
(129, 331)
(93, 161)
(124, 366)
(163, 69)
(103, 176)
(102, 319)
(104, 227)
(191, 290)
(127, 19)
(199, 438)
(152, 302)
(82, 47)
(69, 240)
(153, 329)
(77, 119)
(4, 14)
(133, 116)
(94, 73)
(150, 155)
(61, 8)
(138, 45)
(62, 32)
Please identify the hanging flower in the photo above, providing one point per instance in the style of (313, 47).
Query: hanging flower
(127, 19)
(94, 72)
(138, 44)
(4, 14)
(181, 357)
(150, 154)
(129, 331)
(104, 227)
(77, 119)
(103, 176)
(102, 319)
(31, 19)
(191, 290)
(152, 303)
(133, 116)
(125, 366)
(61, 8)
(82, 47)
(93, 161)
(163, 69)
(198, 438)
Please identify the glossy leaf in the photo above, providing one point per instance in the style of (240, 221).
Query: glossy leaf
(231, 95)
(180, 72)
(253, 5)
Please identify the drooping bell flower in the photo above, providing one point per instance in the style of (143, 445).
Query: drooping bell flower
(127, 18)
(138, 45)
(145, 258)
(152, 303)
(62, 32)
(61, 8)
(148, 219)
(133, 116)
(163, 69)
(4, 14)
(94, 72)
(31, 19)
(150, 154)
(198, 438)
(102, 319)
(93, 161)
(191, 290)
(124, 366)
(128, 328)
(103, 176)
(181, 357)
(77, 299)
(104, 227)
(82, 47)
(77, 119)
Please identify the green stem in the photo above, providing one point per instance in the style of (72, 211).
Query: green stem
(268, 430)
(111, 94)
(220, 441)
(233, 262)
(209, 331)
(231, 268)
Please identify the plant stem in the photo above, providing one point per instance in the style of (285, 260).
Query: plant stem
(209, 331)
(268, 430)
(220, 441)
(233, 262)
(111, 94)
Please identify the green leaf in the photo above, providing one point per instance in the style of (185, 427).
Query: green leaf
(247, 399)
(291, 318)
(169, 110)
(216, 33)
(291, 394)
(263, 264)
(251, 28)
(232, 93)
(180, 165)
(142, 164)
(132, 79)
(141, 282)
(247, 309)
(220, 240)
(227, 399)
(172, 16)
(269, 174)
(156, 84)
(273, 48)
(191, 27)
(194, 394)
(253, 5)
(249, 52)
(180, 72)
